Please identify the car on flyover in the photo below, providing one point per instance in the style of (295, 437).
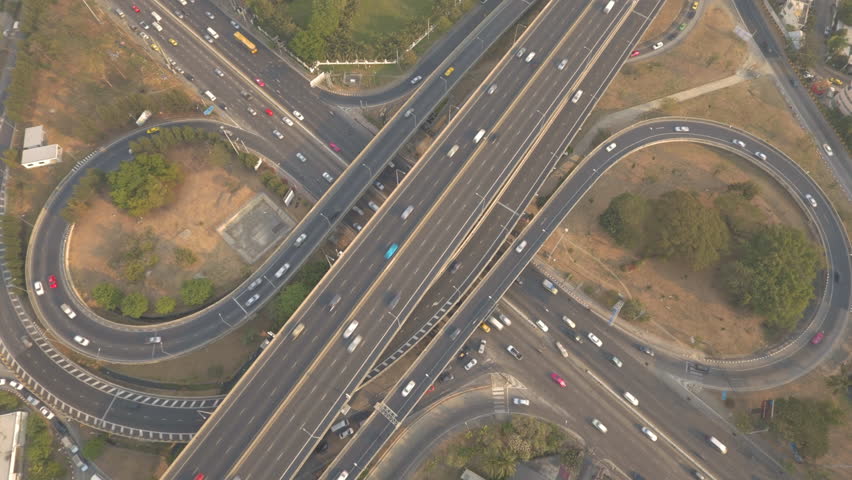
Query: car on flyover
(391, 251)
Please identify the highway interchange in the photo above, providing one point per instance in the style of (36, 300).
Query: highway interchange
(433, 192)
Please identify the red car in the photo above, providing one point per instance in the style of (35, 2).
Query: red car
(200, 476)
(259, 82)
(430, 389)
(334, 146)
(634, 53)
(556, 378)
(818, 338)
(51, 281)
(135, 9)
(269, 112)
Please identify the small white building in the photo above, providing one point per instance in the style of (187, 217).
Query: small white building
(35, 152)
(41, 156)
(33, 137)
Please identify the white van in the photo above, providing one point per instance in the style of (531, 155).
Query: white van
(609, 6)
(719, 445)
(210, 95)
(576, 97)
(453, 151)
(156, 16)
(495, 323)
(479, 135)
(157, 26)
(212, 33)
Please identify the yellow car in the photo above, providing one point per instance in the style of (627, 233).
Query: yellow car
(173, 42)
(449, 71)
(695, 5)
(485, 328)
(155, 47)
(153, 130)
(835, 81)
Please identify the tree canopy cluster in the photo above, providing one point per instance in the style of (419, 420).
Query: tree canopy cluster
(143, 184)
(806, 422)
(329, 36)
(15, 248)
(290, 297)
(497, 449)
(39, 452)
(768, 269)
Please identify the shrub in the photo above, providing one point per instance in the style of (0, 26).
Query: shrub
(107, 295)
(196, 291)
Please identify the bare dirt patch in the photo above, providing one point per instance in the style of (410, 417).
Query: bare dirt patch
(668, 13)
(757, 107)
(710, 52)
(208, 196)
(684, 305)
(128, 460)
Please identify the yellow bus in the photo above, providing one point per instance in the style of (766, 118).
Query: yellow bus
(245, 41)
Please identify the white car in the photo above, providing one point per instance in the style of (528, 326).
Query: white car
(298, 115)
(235, 25)
(521, 401)
(515, 353)
(492, 88)
(738, 143)
(568, 321)
(47, 413)
(521, 246)
(541, 325)
(209, 15)
(416, 79)
(219, 72)
(16, 385)
(355, 342)
(594, 339)
(39, 289)
(650, 434)
(255, 284)
(327, 176)
(657, 45)
(152, 340)
(562, 64)
(281, 270)
(683, 128)
(300, 240)
(630, 398)
(828, 150)
(760, 155)
(253, 299)
(610, 147)
(600, 426)
(350, 329)
(81, 340)
(481, 348)
(278, 135)
(470, 364)
(301, 157)
(252, 111)
(408, 388)
(287, 121)
(65, 308)
(616, 361)
(810, 198)
(343, 475)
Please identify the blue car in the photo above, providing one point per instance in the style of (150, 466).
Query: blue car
(393, 248)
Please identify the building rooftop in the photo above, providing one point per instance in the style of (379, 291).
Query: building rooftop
(33, 137)
(40, 154)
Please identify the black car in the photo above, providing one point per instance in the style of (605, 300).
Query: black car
(189, 77)
(446, 377)
(454, 267)
(646, 350)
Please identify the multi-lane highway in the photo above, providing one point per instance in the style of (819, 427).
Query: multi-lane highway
(118, 343)
(500, 277)
(365, 295)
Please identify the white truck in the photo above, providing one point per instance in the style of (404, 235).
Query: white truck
(609, 5)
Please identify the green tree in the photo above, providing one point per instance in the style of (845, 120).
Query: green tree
(134, 305)
(685, 229)
(837, 41)
(501, 463)
(164, 305)
(774, 276)
(286, 303)
(95, 447)
(196, 291)
(806, 421)
(841, 382)
(748, 189)
(844, 12)
(625, 218)
(107, 295)
(39, 452)
(144, 183)
(184, 257)
(8, 401)
(634, 310)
